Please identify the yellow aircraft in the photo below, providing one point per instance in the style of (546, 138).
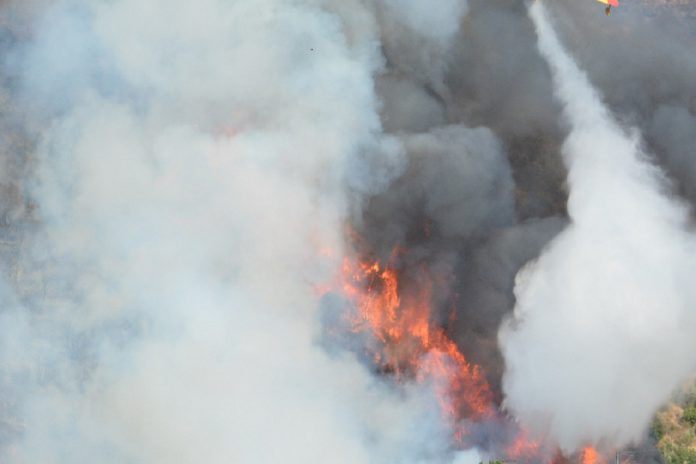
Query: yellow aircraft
(609, 4)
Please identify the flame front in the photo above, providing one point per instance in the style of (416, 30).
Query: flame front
(591, 456)
(523, 449)
(407, 343)
(410, 343)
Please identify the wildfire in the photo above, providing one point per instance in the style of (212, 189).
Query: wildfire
(410, 343)
(397, 310)
(590, 455)
(522, 449)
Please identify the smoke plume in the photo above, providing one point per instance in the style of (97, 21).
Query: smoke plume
(181, 182)
(603, 325)
(188, 166)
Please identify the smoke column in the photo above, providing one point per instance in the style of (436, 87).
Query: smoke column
(603, 328)
(180, 181)
(190, 168)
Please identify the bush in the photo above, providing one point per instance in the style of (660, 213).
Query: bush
(678, 455)
(657, 430)
(689, 415)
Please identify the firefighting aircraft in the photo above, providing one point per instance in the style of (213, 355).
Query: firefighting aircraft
(609, 4)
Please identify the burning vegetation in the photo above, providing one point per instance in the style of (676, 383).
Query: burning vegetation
(410, 343)
(514, 284)
(394, 311)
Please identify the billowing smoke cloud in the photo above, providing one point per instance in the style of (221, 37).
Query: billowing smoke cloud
(189, 164)
(439, 24)
(603, 326)
(177, 179)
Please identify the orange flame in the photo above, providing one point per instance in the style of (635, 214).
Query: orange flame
(590, 455)
(523, 448)
(410, 343)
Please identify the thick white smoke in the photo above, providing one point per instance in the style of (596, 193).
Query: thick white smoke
(439, 23)
(603, 330)
(191, 180)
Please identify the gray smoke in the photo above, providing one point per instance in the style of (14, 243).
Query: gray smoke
(177, 178)
(603, 325)
(188, 162)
